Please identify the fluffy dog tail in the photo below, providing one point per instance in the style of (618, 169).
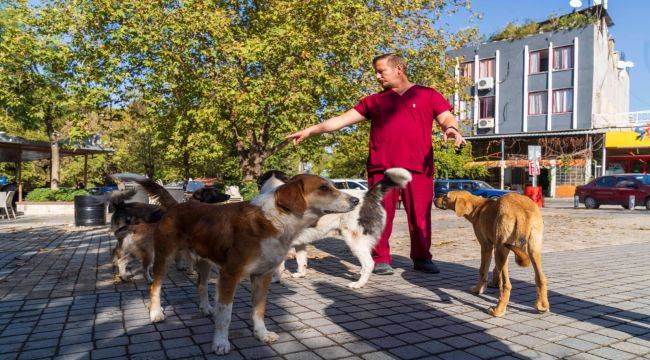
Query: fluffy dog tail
(165, 199)
(118, 198)
(395, 177)
(521, 257)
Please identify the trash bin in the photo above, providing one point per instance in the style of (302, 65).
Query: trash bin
(535, 194)
(89, 210)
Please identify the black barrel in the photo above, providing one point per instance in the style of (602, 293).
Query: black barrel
(89, 210)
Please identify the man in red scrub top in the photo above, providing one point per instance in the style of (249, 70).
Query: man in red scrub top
(401, 122)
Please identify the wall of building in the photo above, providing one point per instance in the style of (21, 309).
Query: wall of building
(611, 89)
(511, 78)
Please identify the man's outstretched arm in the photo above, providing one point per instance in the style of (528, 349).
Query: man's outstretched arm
(338, 122)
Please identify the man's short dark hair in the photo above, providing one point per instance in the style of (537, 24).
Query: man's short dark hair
(393, 60)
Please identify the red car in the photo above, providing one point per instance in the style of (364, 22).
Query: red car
(616, 190)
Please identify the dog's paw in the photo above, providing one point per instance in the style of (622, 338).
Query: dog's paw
(206, 309)
(300, 274)
(493, 311)
(478, 289)
(541, 306)
(267, 337)
(356, 285)
(221, 346)
(156, 315)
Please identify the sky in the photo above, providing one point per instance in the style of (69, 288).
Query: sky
(630, 31)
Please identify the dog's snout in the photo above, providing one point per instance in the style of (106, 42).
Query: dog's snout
(354, 201)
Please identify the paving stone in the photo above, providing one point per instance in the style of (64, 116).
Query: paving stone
(304, 355)
(333, 352)
(632, 348)
(408, 352)
(317, 342)
(109, 352)
(434, 347)
(611, 353)
(484, 351)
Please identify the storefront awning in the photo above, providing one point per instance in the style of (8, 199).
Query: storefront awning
(626, 140)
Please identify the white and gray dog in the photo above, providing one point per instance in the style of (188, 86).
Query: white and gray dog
(360, 228)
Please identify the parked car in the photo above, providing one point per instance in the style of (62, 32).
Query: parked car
(476, 187)
(354, 187)
(104, 189)
(615, 190)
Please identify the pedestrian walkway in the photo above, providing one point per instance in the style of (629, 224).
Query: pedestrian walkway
(59, 299)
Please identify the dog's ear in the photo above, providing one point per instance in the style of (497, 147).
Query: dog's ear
(290, 197)
(462, 207)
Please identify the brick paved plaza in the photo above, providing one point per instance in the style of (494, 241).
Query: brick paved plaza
(59, 299)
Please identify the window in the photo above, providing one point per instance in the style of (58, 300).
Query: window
(538, 61)
(339, 184)
(466, 110)
(486, 68)
(607, 181)
(467, 70)
(467, 186)
(440, 185)
(454, 186)
(486, 107)
(626, 183)
(562, 101)
(563, 58)
(355, 186)
(537, 103)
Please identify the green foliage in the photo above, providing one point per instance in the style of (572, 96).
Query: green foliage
(350, 154)
(202, 88)
(63, 194)
(248, 190)
(514, 31)
(452, 163)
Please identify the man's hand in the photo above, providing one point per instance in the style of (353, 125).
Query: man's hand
(299, 136)
(451, 132)
(346, 119)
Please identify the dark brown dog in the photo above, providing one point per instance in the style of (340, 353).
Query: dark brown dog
(210, 195)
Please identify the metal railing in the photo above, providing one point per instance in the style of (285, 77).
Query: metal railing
(621, 120)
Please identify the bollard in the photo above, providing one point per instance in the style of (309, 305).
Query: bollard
(576, 201)
(630, 202)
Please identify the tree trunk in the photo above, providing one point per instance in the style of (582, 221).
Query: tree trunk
(252, 166)
(186, 164)
(55, 168)
(55, 162)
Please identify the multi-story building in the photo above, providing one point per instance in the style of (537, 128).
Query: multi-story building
(543, 89)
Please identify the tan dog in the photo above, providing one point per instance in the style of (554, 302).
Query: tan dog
(512, 222)
(244, 239)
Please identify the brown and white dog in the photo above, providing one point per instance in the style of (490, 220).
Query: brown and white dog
(512, 222)
(360, 228)
(246, 239)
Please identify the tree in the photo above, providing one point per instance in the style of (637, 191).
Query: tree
(43, 85)
(455, 163)
(242, 75)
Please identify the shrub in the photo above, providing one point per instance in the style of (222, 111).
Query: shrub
(44, 194)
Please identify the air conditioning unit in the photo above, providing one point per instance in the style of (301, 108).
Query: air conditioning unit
(485, 83)
(486, 123)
